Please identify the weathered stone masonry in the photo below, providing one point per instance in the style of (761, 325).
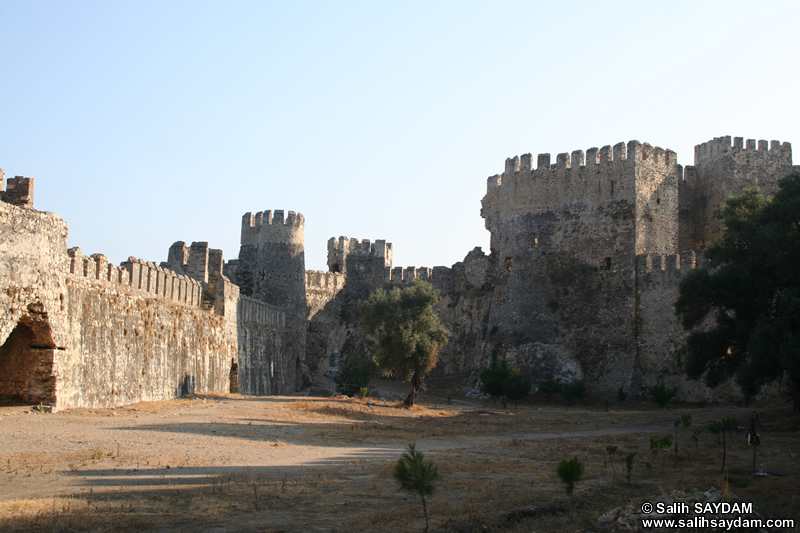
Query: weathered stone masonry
(583, 271)
(580, 282)
(76, 331)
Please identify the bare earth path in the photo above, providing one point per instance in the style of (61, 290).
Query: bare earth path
(292, 464)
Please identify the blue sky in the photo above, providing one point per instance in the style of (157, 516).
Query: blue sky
(145, 123)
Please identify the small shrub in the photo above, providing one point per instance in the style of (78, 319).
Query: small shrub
(612, 451)
(629, 466)
(684, 421)
(550, 386)
(730, 422)
(364, 392)
(494, 377)
(570, 472)
(517, 385)
(656, 445)
(661, 394)
(717, 426)
(622, 394)
(354, 374)
(575, 390)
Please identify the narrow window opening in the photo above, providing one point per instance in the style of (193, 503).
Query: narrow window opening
(509, 263)
(607, 263)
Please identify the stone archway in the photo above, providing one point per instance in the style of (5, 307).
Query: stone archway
(26, 362)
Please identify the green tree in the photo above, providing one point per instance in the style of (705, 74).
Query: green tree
(494, 377)
(751, 291)
(499, 380)
(550, 386)
(408, 332)
(517, 385)
(416, 476)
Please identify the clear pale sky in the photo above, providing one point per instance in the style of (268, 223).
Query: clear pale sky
(145, 123)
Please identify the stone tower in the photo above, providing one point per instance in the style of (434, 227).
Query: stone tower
(723, 169)
(363, 263)
(271, 266)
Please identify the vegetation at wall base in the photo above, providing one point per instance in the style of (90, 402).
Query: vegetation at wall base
(661, 394)
(354, 374)
(498, 380)
(575, 390)
(550, 386)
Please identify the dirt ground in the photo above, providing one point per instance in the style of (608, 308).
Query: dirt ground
(235, 463)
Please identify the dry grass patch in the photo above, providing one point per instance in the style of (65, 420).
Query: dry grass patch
(313, 464)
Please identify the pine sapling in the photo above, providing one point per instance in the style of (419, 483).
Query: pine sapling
(570, 472)
(416, 476)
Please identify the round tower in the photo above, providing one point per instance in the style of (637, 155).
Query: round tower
(272, 265)
(272, 258)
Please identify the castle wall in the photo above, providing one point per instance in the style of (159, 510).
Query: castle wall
(660, 337)
(270, 353)
(580, 283)
(78, 331)
(129, 345)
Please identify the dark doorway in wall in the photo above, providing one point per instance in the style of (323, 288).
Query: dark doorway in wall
(26, 363)
(234, 376)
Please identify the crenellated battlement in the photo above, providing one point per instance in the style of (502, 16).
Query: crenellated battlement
(407, 275)
(271, 226)
(255, 311)
(339, 250)
(380, 248)
(136, 275)
(591, 177)
(320, 279)
(663, 268)
(719, 147)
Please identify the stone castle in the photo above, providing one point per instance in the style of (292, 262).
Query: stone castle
(579, 283)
